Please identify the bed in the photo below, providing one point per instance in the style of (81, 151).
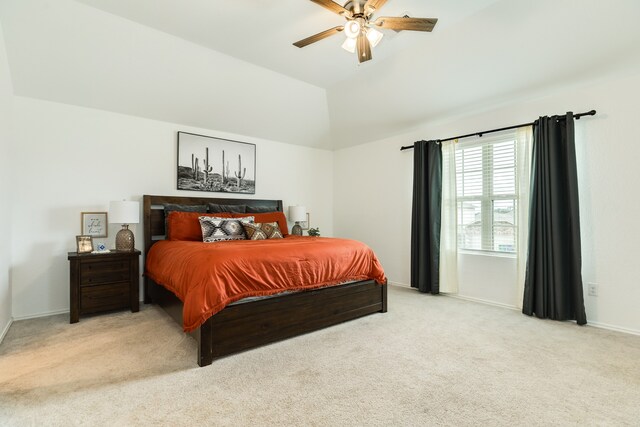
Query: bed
(246, 325)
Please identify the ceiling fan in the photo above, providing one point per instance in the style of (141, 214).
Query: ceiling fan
(359, 29)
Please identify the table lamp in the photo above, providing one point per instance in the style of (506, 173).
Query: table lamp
(297, 214)
(125, 213)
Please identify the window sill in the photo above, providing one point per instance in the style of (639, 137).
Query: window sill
(493, 254)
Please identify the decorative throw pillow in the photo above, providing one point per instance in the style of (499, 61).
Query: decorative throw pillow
(186, 225)
(220, 229)
(216, 208)
(245, 218)
(262, 230)
(172, 207)
(270, 217)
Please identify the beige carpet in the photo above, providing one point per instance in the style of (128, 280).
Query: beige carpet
(428, 361)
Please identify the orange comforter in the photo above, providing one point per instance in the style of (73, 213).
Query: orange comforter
(209, 276)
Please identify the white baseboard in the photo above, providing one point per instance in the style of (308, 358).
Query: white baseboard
(45, 314)
(589, 322)
(6, 329)
(483, 301)
(402, 285)
(48, 313)
(599, 325)
(612, 327)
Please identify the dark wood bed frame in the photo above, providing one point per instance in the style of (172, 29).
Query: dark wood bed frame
(252, 324)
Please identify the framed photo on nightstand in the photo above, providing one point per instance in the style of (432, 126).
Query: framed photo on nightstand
(84, 244)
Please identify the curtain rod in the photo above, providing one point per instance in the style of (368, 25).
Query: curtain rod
(576, 116)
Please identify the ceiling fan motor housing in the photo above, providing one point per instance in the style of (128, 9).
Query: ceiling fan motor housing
(356, 7)
(359, 19)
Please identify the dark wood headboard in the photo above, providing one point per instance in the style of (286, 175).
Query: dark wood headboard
(153, 212)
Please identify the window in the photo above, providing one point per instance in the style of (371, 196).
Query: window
(487, 193)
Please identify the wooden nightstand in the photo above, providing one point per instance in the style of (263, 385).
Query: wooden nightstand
(101, 282)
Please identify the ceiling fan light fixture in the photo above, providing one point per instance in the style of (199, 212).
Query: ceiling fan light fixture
(374, 36)
(361, 37)
(349, 45)
(352, 29)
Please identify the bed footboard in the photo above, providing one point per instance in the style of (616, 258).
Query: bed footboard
(245, 326)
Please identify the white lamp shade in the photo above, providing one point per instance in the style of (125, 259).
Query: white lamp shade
(374, 36)
(297, 213)
(349, 45)
(124, 212)
(352, 29)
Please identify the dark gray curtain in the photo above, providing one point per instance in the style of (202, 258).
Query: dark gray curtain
(425, 219)
(553, 282)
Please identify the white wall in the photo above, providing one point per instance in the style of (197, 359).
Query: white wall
(67, 52)
(6, 101)
(70, 159)
(506, 51)
(372, 196)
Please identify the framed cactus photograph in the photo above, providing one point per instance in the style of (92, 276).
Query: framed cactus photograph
(207, 163)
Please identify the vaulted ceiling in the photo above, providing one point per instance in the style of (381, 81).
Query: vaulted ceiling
(262, 32)
(231, 66)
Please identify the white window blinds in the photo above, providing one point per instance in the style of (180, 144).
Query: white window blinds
(487, 193)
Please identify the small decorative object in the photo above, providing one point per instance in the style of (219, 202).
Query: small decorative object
(314, 232)
(305, 224)
(125, 213)
(101, 248)
(84, 244)
(297, 214)
(94, 224)
(206, 163)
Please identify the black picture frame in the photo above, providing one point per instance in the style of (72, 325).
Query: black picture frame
(204, 163)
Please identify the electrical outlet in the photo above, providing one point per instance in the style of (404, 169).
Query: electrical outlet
(592, 289)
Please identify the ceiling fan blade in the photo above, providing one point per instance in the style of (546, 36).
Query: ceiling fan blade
(402, 23)
(364, 48)
(317, 37)
(334, 7)
(374, 5)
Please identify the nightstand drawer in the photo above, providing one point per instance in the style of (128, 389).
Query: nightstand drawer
(104, 297)
(104, 272)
